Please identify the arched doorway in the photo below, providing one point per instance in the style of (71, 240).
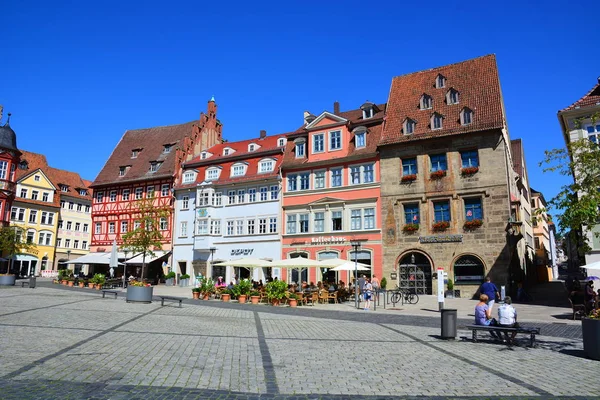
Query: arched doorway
(326, 274)
(414, 273)
(468, 270)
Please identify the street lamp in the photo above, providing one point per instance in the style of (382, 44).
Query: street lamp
(212, 259)
(356, 245)
(124, 267)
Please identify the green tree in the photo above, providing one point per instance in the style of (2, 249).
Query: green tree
(12, 242)
(147, 237)
(578, 202)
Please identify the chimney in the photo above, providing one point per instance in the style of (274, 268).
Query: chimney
(263, 134)
(336, 107)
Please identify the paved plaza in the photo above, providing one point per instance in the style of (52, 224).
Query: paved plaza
(61, 343)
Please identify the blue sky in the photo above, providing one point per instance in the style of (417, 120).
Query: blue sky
(76, 75)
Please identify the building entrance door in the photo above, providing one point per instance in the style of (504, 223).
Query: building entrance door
(414, 273)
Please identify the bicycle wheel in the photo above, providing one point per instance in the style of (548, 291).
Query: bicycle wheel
(395, 297)
(412, 298)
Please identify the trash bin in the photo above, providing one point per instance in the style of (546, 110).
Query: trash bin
(448, 323)
(32, 282)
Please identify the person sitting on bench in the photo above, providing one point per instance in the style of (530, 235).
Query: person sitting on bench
(483, 314)
(507, 318)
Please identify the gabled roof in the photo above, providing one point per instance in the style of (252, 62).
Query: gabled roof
(325, 114)
(591, 98)
(478, 84)
(240, 150)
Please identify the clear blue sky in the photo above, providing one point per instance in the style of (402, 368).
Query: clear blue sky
(76, 75)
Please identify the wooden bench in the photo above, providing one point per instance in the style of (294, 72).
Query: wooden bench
(163, 298)
(528, 331)
(109, 291)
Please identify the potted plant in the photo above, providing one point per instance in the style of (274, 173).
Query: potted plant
(196, 293)
(590, 327)
(439, 174)
(450, 292)
(440, 226)
(292, 299)
(139, 292)
(276, 291)
(472, 224)
(383, 283)
(408, 178)
(91, 283)
(99, 280)
(170, 278)
(410, 228)
(254, 297)
(242, 290)
(207, 287)
(81, 283)
(226, 295)
(184, 280)
(468, 171)
(11, 244)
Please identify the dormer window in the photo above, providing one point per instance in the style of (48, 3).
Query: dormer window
(253, 147)
(266, 166)
(212, 174)
(135, 153)
(203, 155)
(466, 116)
(436, 121)
(227, 151)
(82, 192)
(360, 137)
(64, 188)
(440, 81)
(189, 177)
(122, 170)
(154, 166)
(23, 164)
(409, 126)
(369, 109)
(426, 102)
(452, 97)
(281, 142)
(300, 147)
(238, 170)
(167, 148)
(368, 113)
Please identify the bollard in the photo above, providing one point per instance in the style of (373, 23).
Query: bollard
(448, 323)
(32, 281)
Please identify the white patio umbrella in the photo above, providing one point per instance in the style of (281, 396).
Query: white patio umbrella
(246, 262)
(350, 266)
(114, 259)
(295, 263)
(332, 262)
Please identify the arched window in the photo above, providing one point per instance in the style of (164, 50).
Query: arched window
(468, 270)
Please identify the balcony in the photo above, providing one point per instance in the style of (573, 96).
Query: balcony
(7, 186)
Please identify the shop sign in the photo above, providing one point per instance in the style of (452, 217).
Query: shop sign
(441, 239)
(328, 239)
(241, 252)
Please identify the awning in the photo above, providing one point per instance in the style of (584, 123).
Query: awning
(92, 258)
(139, 259)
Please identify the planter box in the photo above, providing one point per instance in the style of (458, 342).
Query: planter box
(7, 280)
(184, 282)
(139, 294)
(591, 337)
(169, 282)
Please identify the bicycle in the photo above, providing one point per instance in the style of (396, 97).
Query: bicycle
(405, 295)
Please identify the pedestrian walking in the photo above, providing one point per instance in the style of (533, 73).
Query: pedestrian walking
(491, 291)
(361, 286)
(368, 294)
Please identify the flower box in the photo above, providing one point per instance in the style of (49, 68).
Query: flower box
(409, 228)
(139, 294)
(472, 224)
(441, 226)
(437, 174)
(469, 171)
(408, 178)
(7, 280)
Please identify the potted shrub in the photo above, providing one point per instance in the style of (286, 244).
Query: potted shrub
(410, 228)
(207, 287)
(184, 280)
(139, 292)
(196, 293)
(242, 290)
(408, 178)
(91, 283)
(383, 283)
(590, 327)
(276, 291)
(450, 292)
(472, 224)
(226, 295)
(254, 297)
(170, 279)
(437, 174)
(292, 299)
(99, 280)
(70, 281)
(468, 171)
(441, 226)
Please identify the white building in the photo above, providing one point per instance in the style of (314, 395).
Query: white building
(228, 207)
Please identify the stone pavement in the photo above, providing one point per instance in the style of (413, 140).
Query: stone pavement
(61, 343)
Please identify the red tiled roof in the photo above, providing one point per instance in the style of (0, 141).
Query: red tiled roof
(240, 149)
(151, 141)
(478, 85)
(591, 98)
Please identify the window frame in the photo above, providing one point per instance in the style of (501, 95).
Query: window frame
(338, 140)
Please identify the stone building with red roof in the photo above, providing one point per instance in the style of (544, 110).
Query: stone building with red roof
(228, 207)
(331, 191)
(145, 163)
(447, 179)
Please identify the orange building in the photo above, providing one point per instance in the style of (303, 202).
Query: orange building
(331, 191)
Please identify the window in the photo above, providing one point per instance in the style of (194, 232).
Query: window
(32, 216)
(163, 224)
(47, 218)
(164, 190)
(167, 148)
(335, 140)
(409, 166)
(58, 241)
(139, 193)
(263, 193)
(3, 169)
(231, 197)
(63, 204)
(473, 209)
(336, 220)
(203, 198)
(273, 225)
(252, 195)
(319, 179)
(212, 174)
(281, 142)
(85, 228)
(150, 192)
(452, 97)
(60, 224)
(426, 102)
(45, 196)
(300, 149)
(31, 237)
(36, 178)
(135, 153)
(122, 171)
(77, 226)
(360, 139)
(67, 243)
(368, 173)
(113, 197)
(593, 132)
(262, 225)
(336, 177)
(367, 113)
(154, 166)
(71, 205)
(87, 208)
(304, 223)
(355, 175)
(291, 223)
(274, 192)
(369, 216)
(225, 152)
(45, 238)
(79, 207)
(111, 227)
(436, 121)
(266, 166)
(292, 183)
(318, 143)
(238, 170)
(411, 213)
(466, 116)
(136, 225)
(215, 227)
(319, 222)
(34, 194)
(75, 244)
(304, 181)
(240, 196)
(188, 177)
(409, 126)
(185, 202)
(23, 191)
(239, 227)
(438, 162)
(217, 199)
(84, 245)
(202, 228)
(124, 226)
(251, 226)
(440, 81)
(17, 214)
(125, 195)
(64, 188)
(251, 147)
(83, 192)
(70, 225)
(98, 228)
(355, 220)
(441, 211)
(469, 159)
(537, 242)
(203, 155)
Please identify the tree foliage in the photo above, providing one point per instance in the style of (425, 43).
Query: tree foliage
(13, 242)
(147, 237)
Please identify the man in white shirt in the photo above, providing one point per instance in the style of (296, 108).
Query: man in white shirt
(507, 317)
